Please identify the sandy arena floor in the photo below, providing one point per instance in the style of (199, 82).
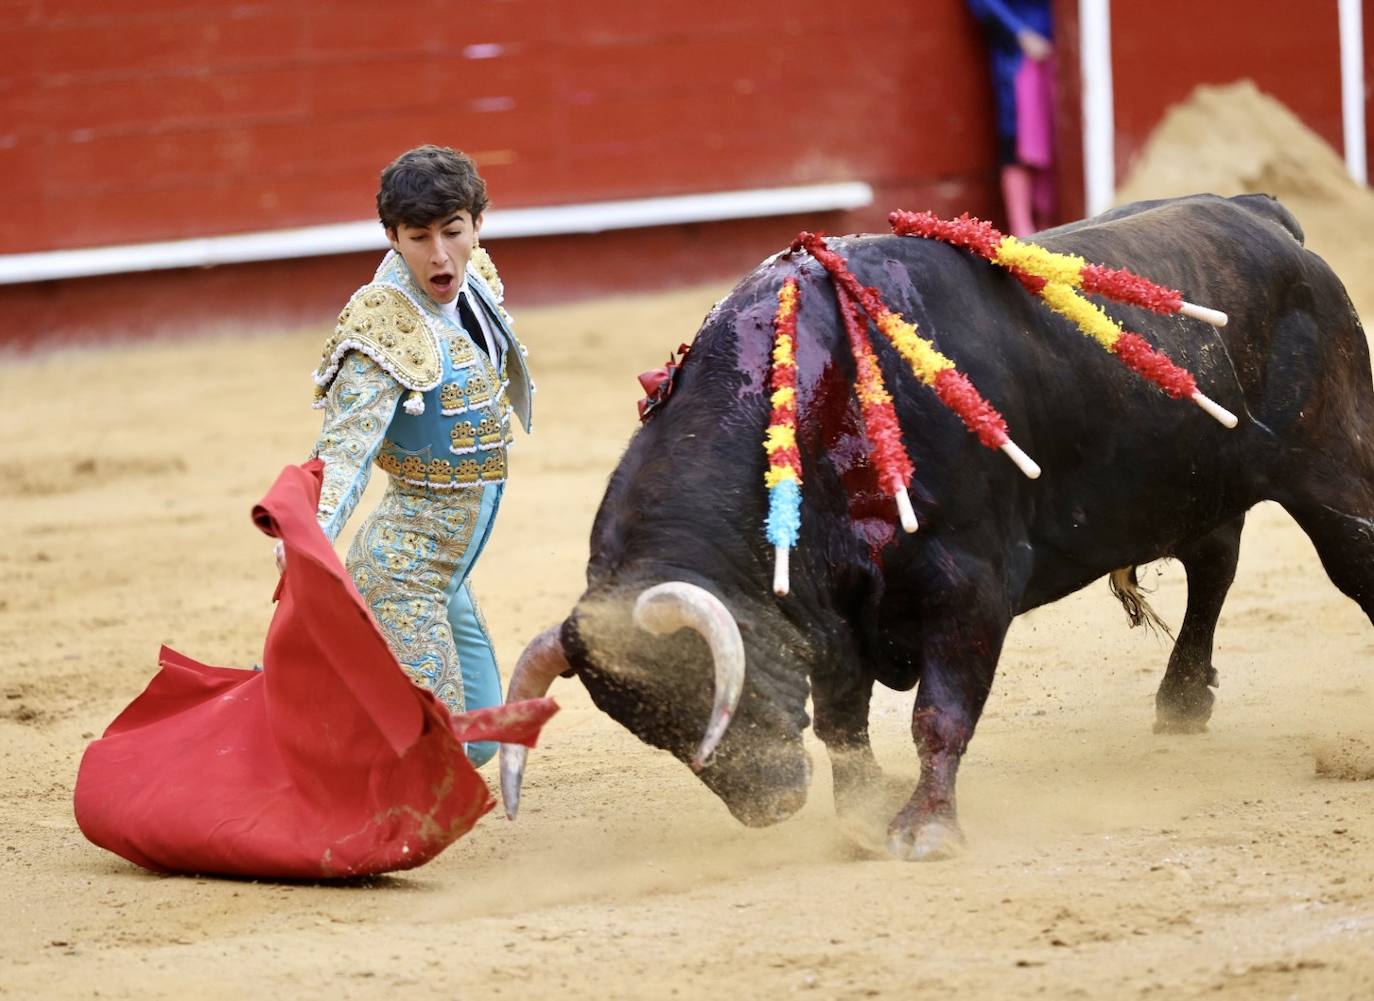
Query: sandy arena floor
(1103, 861)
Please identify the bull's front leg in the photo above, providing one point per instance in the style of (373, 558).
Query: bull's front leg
(841, 705)
(959, 657)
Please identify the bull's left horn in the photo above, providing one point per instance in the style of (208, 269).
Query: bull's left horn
(542, 661)
(666, 608)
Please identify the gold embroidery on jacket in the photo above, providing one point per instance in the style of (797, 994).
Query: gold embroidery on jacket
(478, 390)
(440, 472)
(460, 352)
(489, 432)
(383, 324)
(495, 466)
(467, 472)
(451, 399)
(462, 438)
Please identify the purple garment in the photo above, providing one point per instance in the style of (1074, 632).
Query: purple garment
(1002, 20)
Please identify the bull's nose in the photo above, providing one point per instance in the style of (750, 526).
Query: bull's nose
(784, 806)
(772, 810)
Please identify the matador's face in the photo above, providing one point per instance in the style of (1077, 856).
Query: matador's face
(438, 254)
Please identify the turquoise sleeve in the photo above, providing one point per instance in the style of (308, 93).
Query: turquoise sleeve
(357, 410)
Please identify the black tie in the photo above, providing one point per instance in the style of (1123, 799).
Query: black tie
(470, 324)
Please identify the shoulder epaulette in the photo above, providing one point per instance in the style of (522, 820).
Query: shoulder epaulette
(486, 270)
(386, 326)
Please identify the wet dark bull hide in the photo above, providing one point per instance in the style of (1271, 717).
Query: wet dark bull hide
(1130, 476)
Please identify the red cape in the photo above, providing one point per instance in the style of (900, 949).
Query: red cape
(327, 763)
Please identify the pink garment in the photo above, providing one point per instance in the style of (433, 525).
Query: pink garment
(1035, 113)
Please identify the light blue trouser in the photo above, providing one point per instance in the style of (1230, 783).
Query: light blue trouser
(476, 654)
(411, 561)
(477, 658)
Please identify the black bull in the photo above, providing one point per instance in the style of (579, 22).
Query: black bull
(1130, 476)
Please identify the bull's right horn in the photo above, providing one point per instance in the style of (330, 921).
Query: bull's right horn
(542, 661)
(666, 608)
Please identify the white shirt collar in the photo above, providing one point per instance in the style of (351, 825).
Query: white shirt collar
(495, 339)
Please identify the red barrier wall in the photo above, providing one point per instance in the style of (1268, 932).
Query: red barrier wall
(161, 119)
(165, 119)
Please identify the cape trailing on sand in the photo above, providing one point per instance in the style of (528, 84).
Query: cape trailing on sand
(327, 763)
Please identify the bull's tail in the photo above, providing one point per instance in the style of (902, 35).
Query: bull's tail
(1125, 587)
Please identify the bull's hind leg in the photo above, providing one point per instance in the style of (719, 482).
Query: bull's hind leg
(1183, 703)
(1338, 516)
(1324, 475)
(958, 655)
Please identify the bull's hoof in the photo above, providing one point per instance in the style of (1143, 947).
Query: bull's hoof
(1180, 724)
(933, 841)
(1185, 708)
(1178, 715)
(863, 812)
(876, 799)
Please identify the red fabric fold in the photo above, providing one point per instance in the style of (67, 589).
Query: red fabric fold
(658, 383)
(327, 763)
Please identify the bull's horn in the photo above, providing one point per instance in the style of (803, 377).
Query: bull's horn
(542, 661)
(666, 608)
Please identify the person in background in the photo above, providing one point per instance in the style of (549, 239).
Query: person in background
(424, 376)
(1020, 34)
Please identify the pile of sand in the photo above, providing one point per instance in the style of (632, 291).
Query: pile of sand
(1233, 139)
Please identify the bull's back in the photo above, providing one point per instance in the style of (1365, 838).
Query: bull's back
(1129, 474)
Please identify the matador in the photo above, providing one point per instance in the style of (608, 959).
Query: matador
(424, 377)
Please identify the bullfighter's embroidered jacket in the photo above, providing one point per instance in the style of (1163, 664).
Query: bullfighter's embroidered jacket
(404, 385)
